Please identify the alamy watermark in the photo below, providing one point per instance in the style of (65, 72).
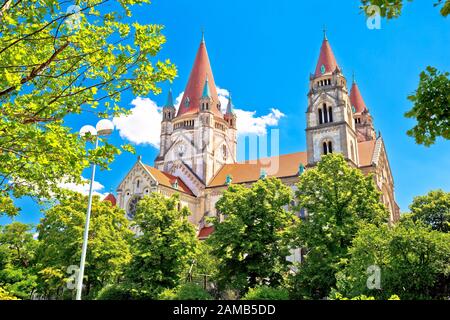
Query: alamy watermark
(374, 277)
(373, 17)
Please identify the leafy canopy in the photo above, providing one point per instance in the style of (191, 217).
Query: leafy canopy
(164, 248)
(392, 9)
(413, 260)
(58, 60)
(17, 259)
(433, 209)
(337, 199)
(431, 107)
(60, 241)
(251, 244)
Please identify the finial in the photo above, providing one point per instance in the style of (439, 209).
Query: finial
(325, 32)
(139, 158)
(203, 35)
(353, 77)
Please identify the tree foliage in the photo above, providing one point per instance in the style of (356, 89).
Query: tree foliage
(431, 107)
(61, 236)
(251, 244)
(337, 199)
(267, 293)
(433, 209)
(164, 248)
(392, 9)
(414, 262)
(17, 258)
(58, 59)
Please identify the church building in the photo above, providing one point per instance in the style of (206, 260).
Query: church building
(198, 149)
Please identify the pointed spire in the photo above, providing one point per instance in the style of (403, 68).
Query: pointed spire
(169, 103)
(327, 62)
(356, 99)
(230, 106)
(206, 91)
(193, 92)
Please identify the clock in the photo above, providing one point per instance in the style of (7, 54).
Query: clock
(353, 109)
(323, 69)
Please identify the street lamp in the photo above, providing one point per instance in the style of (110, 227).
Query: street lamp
(102, 129)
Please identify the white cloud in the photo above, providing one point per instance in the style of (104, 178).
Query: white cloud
(97, 187)
(143, 125)
(248, 123)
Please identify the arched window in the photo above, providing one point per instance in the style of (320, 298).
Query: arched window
(330, 114)
(138, 182)
(325, 113)
(320, 116)
(327, 147)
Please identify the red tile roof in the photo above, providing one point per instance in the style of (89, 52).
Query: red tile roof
(356, 99)
(283, 166)
(287, 166)
(365, 151)
(111, 198)
(196, 83)
(326, 58)
(205, 232)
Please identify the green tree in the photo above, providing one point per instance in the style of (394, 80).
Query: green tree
(61, 236)
(267, 293)
(251, 244)
(58, 60)
(164, 248)
(431, 107)
(337, 199)
(4, 295)
(414, 262)
(392, 9)
(17, 258)
(433, 209)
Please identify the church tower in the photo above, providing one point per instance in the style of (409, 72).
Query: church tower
(363, 120)
(199, 139)
(330, 124)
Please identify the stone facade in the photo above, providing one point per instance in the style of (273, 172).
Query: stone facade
(198, 157)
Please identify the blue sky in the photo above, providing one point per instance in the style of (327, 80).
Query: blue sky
(263, 52)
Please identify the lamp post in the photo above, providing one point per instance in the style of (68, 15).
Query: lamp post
(103, 128)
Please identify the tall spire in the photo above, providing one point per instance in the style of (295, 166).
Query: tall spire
(193, 92)
(356, 98)
(169, 103)
(327, 62)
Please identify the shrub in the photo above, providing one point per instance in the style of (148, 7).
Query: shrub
(267, 293)
(188, 291)
(114, 292)
(4, 295)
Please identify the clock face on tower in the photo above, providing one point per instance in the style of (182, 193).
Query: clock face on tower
(322, 69)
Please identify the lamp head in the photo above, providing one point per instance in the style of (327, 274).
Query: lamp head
(85, 130)
(104, 127)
